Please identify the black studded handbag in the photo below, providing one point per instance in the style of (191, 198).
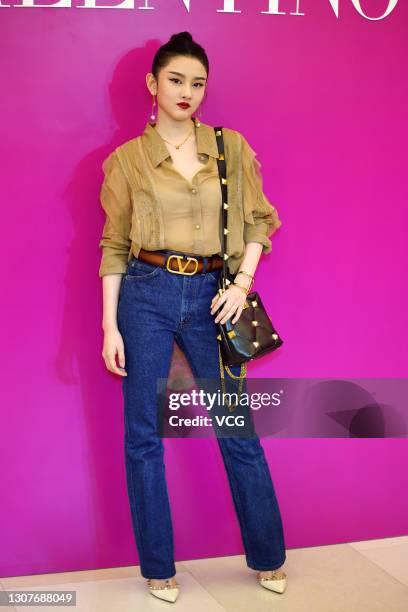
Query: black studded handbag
(253, 335)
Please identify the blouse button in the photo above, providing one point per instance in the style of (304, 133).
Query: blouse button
(194, 190)
(197, 226)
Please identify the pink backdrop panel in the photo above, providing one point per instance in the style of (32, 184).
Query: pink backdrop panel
(322, 99)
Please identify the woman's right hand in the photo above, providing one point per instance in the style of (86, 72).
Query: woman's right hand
(112, 346)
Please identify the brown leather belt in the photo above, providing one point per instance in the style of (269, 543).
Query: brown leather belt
(180, 263)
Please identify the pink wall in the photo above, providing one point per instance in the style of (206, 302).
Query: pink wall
(323, 101)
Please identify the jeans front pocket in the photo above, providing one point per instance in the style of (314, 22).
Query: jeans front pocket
(213, 275)
(139, 270)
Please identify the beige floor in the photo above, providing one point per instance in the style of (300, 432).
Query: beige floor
(357, 577)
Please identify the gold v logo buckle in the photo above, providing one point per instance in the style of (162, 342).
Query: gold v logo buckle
(181, 267)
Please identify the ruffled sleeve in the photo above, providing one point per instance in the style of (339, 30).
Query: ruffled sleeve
(261, 219)
(116, 201)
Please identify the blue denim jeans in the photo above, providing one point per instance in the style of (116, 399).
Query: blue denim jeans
(156, 308)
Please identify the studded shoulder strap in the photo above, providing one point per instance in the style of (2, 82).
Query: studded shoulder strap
(222, 171)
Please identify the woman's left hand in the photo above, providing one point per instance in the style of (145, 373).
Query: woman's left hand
(233, 299)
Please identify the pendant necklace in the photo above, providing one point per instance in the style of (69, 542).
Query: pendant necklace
(173, 145)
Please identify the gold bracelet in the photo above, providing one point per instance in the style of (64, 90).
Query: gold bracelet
(251, 282)
(241, 287)
(247, 274)
(243, 272)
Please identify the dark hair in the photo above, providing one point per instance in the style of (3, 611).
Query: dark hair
(179, 44)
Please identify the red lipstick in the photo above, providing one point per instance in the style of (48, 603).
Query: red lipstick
(183, 105)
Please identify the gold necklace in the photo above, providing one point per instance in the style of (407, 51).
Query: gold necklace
(173, 145)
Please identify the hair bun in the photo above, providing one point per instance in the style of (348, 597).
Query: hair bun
(180, 36)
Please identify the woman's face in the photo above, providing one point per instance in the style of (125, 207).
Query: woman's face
(182, 80)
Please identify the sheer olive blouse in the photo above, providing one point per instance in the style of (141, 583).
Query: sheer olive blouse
(149, 204)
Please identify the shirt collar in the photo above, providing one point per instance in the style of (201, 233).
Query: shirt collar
(157, 150)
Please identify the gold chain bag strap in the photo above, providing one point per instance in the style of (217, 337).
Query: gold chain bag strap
(253, 335)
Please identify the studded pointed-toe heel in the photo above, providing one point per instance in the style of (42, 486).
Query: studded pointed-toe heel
(168, 592)
(276, 582)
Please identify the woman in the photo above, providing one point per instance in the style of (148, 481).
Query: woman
(160, 265)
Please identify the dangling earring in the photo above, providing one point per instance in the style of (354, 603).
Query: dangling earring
(153, 115)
